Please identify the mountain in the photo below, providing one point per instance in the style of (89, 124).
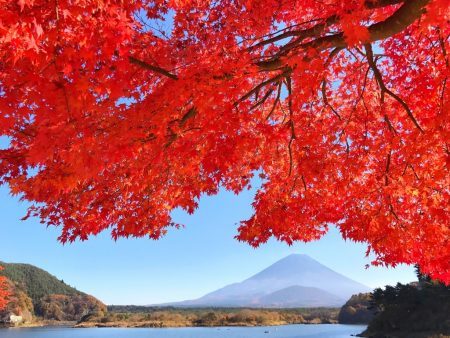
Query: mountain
(300, 296)
(37, 293)
(36, 282)
(294, 281)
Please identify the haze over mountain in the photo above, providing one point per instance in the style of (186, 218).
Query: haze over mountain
(294, 281)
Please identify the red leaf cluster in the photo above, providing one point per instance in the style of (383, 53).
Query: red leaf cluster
(119, 112)
(4, 291)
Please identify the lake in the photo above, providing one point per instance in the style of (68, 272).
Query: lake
(286, 331)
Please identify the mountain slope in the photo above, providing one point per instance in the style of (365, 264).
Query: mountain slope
(300, 296)
(38, 293)
(36, 282)
(294, 270)
(305, 271)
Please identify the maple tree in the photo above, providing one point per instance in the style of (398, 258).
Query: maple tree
(4, 291)
(118, 112)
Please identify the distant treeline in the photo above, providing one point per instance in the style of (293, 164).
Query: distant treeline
(141, 316)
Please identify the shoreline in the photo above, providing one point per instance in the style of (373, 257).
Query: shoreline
(43, 324)
(164, 326)
(175, 318)
(132, 325)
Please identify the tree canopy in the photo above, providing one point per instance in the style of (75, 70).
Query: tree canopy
(119, 112)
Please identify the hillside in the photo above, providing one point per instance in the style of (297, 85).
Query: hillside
(280, 285)
(36, 282)
(357, 310)
(38, 295)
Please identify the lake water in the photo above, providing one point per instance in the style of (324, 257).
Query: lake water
(287, 331)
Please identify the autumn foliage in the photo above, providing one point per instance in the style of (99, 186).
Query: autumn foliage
(119, 112)
(4, 291)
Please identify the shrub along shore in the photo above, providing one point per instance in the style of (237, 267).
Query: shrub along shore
(136, 316)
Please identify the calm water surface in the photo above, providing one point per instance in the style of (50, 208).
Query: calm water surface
(287, 331)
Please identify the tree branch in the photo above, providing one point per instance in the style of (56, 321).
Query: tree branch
(324, 83)
(318, 29)
(384, 89)
(299, 34)
(153, 68)
(291, 123)
(264, 83)
(189, 115)
(277, 99)
(409, 12)
(388, 164)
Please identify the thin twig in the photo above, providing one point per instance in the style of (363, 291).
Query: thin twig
(277, 99)
(304, 183)
(262, 100)
(388, 163)
(383, 87)
(276, 78)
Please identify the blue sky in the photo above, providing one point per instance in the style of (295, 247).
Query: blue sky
(185, 264)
